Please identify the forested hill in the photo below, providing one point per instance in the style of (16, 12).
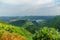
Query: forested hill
(27, 24)
(34, 25)
(12, 18)
(55, 22)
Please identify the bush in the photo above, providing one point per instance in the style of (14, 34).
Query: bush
(47, 34)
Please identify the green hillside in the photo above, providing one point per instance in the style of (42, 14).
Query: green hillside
(33, 30)
(15, 29)
(31, 26)
(55, 22)
(27, 24)
(23, 22)
(18, 22)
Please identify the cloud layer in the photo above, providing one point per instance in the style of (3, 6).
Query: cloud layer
(26, 1)
(29, 7)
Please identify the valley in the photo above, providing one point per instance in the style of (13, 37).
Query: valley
(30, 27)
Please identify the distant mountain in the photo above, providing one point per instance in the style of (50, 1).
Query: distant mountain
(32, 18)
(37, 17)
(8, 19)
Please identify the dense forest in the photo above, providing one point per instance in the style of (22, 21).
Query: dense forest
(30, 28)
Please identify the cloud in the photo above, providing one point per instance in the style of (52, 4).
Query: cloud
(26, 1)
(29, 7)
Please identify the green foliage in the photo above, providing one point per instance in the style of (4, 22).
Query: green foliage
(29, 25)
(42, 23)
(55, 22)
(47, 34)
(15, 29)
(18, 22)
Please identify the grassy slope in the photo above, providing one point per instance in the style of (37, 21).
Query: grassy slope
(15, 29)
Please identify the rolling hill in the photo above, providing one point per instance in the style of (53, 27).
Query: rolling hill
(27, 24)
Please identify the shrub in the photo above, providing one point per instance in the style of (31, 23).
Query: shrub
(47, 34)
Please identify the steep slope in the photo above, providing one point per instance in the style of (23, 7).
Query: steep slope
(15, 29)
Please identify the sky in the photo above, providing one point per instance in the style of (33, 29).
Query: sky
(29, 7)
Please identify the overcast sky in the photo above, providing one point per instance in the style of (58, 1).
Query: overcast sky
(29, 7)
